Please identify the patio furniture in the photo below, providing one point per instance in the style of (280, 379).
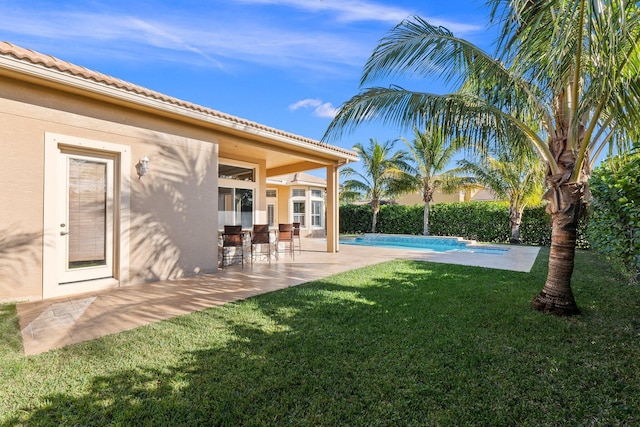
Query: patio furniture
(285, 236)
(232, 237)
(296, 235)
(261, 236)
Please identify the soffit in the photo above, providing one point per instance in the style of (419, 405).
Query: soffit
(240, 137)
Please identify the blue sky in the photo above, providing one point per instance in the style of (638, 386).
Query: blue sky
(283, 63)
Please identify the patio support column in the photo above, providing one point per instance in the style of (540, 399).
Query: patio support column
(333, 220)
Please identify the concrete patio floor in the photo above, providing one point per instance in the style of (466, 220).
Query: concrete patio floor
(58, 322)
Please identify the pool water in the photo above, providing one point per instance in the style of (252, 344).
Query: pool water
(427, 243)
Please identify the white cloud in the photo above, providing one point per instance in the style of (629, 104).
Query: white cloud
(326, 110)
(366, 11)
(219, 37)
(218, 40)
(320, 109)
(345, 10)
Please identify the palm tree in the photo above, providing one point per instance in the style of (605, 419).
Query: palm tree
(517, 178)
(431, 154)
(573, 65)
(381, 176)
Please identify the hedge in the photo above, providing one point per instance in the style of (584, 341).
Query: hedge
(615, 211)
(480, 221)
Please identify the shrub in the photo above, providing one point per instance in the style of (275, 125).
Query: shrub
(614, 219)
(399, 219)
(481, 221)
(355, 218)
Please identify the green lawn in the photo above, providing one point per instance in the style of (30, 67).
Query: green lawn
(402, 343)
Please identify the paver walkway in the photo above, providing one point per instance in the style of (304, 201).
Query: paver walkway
(58, 322)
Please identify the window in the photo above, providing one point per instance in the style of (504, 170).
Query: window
(272, 193)
(316, 213)
(271, 215)
(298, 192)
(235, 207)
(298, 212)
(317, 208)
(237, 173)
(236, 193)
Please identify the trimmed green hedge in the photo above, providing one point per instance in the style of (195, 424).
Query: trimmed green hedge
(615, 210)
(480, 221)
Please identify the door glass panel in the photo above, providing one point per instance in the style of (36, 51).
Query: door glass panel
(271, 215)
(225, 207)
(244, 207)
(87, 213)
(235, 207)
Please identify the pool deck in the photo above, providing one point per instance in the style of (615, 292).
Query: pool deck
(55, 323)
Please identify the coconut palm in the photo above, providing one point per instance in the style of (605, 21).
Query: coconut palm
(572, 65)
(515, 177)
(380, 178)
(431, 154)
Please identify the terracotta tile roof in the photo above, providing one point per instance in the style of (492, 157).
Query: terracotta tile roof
(51, 62)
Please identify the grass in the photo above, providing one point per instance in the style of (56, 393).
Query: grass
(400, 343)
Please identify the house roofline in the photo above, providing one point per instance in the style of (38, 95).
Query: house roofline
(27, 64)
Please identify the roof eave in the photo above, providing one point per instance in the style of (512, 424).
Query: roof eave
(22, 69)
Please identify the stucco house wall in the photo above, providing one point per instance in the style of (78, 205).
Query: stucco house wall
(164, 243)
(165, 223)
(479, 194)
(438, 197)
(284, 186)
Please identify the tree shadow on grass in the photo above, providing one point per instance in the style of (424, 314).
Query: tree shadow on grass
(325, 353)
(9, 330)
(381, 350)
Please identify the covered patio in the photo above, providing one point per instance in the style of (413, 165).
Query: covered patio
(58, 322)
(128, 185)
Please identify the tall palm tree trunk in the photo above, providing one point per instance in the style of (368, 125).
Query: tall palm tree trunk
(515, 218)
(425, 215)
(375, 206)
(566, 206)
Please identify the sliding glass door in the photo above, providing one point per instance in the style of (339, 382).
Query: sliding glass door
(235, 207)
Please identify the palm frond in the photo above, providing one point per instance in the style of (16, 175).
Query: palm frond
(458, 115)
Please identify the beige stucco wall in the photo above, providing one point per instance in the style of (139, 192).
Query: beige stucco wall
(284, 207)
(173, 210)
(284, 195)
(438, 197)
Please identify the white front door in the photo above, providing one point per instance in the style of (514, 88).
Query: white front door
(85, 237)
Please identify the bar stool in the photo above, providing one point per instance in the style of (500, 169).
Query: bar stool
(285, 235)
(296, 235)
(232, 237)
(261, 236)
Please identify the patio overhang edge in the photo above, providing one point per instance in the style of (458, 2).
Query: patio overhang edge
(166, 106)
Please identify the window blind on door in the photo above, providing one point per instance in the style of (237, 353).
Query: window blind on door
(87, 200)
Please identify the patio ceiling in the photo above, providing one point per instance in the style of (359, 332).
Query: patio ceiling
(279, 158)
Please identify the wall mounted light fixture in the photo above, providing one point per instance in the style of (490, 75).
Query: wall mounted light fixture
(143, 166)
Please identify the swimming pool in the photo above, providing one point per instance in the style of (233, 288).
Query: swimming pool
(427, 243)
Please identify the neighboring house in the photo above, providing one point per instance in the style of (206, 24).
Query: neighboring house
(467, 195)
(106, 184)
(297, 197)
